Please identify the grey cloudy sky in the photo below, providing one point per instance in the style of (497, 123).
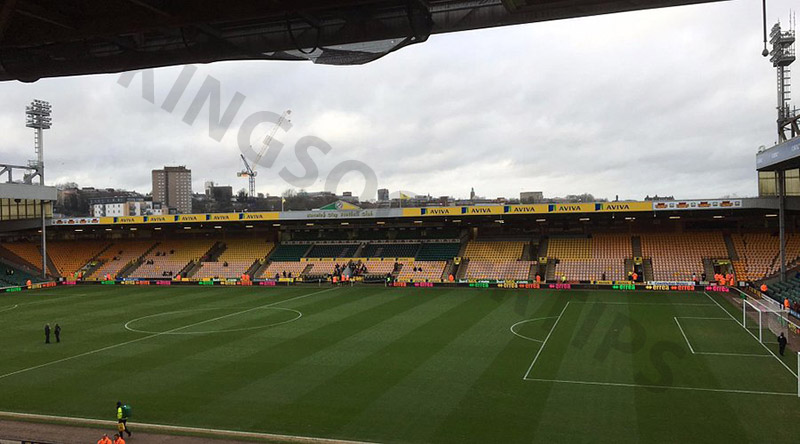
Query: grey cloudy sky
(670, 101)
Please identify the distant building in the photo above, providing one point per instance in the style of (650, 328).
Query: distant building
(172, 187)
(347, 196)
(122, 206)
(222, 193)
(530, 197)
(383, 195)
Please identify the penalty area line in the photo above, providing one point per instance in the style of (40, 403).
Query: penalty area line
(218, 433)
(751, 334)
(661, 387)
(144, 338)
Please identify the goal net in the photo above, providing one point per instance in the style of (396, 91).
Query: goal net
(764, 321)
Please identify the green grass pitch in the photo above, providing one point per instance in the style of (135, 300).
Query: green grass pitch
(401, 365)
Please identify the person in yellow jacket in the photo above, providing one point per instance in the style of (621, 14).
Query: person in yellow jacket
(122, 420)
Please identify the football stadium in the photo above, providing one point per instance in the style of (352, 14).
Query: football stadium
(651, 320)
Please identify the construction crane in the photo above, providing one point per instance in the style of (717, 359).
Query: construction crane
(249, 172)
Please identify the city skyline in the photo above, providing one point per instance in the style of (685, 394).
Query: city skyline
(595, 105)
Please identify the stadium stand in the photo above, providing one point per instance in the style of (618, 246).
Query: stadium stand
(323, 268)
(332, 250)
(280, 267)
(438, 251)
(238, 257)
(170, 257)
(501, 270)
(391, 250)
(676, 256)
(759, 254)
(786, 290)
(14, 276)
(71, 256)
(588, 258)
(494, 250)
(27, 251)
(496, 260)
(378, 268)
(117, 256)
(284, 253)
(425, 270)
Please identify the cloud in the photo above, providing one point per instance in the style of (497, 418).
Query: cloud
(671, 101)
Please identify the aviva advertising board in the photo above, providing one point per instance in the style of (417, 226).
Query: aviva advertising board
(477, 210)
(559, 208)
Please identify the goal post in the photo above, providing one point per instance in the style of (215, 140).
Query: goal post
(766, 319)
(753, 320)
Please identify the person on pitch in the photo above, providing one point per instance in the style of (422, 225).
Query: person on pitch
(781, 343)
(118, 439)
(46, 333)
(104, 439)
(57, 331)
(123, 411)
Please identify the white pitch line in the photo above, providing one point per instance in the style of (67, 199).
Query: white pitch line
(9, 308)
(751, 334)
(219, 433)
(751, 355)
(143, 338)
(684, 336)
(661, 387)
(529, 320)
(545, 339)
(644, 303)
(129, 328)
(705, 319)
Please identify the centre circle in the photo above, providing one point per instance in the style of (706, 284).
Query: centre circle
(182, 329)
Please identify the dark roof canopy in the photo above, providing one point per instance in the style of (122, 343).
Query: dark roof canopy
(45, 38)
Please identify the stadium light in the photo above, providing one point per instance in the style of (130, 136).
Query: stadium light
(187, 228)
(417, 221)
(380, 222)
(108, 229)
(276, 225)
(718, 217)
(38, 117)
(541, 220)
(217, 227)
(134, 228)
(584, 219)
(345, 223)
(674, 217)
(456, 221)
(248, 226)
(78, 230)
(771, 215)
(157, 228)
(310, 224)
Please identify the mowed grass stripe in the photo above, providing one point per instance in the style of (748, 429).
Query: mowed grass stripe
(447, 376)
(140, 369)
(88, 328)
(670, 362)
(132, 341)
(293, 382)
(357, 309)
(316, 368)
(366, 380)
(515, 404)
